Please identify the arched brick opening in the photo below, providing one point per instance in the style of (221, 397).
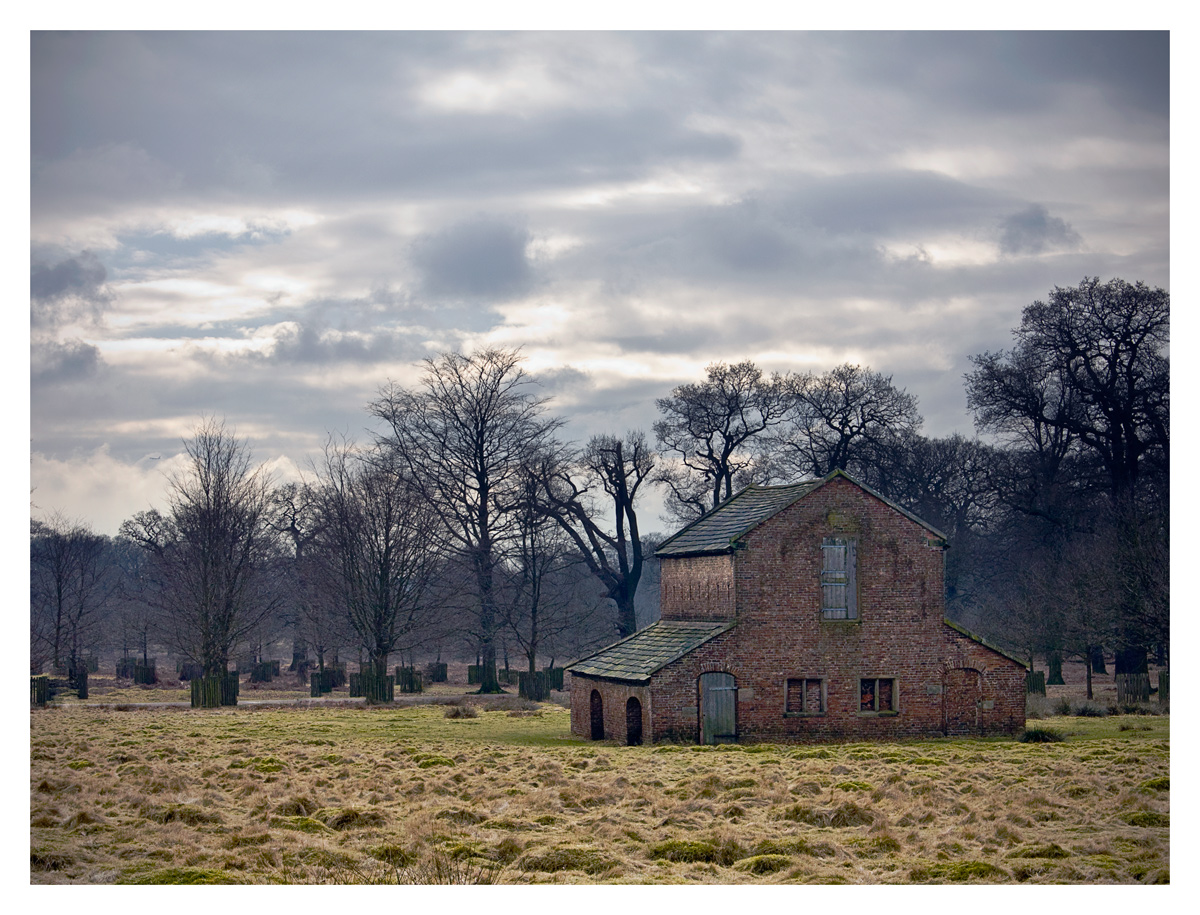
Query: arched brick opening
(597, 709)
(962, 699)
(633, 722)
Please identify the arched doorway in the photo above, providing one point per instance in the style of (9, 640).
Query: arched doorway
(597, 716)
(633, 722)
(718, 708)
(962, 697)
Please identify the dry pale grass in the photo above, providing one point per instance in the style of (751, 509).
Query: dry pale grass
(328, 794)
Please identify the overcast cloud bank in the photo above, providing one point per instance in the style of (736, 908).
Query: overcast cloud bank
(268, 227)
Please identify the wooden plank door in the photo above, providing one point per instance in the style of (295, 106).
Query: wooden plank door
(718, 708)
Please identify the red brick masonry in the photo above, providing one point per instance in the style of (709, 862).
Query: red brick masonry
(942, 681)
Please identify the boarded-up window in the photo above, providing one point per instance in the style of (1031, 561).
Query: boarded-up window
(805, 696)
(877, 694)
(839, 588)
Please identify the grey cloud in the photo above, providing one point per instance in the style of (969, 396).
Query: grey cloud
(318, 346)
(591, 408)
(881, 202)
(1013, 72)
(79, 276)
(482, 259)
(323, 117)
(1033, 230)
(803, 130)
(71, 288)
(56, 363)
(751, 246)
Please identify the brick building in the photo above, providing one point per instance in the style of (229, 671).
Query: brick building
(809, 611)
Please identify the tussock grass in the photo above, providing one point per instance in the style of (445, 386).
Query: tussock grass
(185, 875)
(568, 858)
(328, 794)
(1040, 735)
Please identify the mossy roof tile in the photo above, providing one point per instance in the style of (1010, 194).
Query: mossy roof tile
(640, 655)
(717, 531)
(720, 530)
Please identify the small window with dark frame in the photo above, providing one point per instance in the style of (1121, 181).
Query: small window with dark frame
(877, 694)
(805, 696)
(839, 587)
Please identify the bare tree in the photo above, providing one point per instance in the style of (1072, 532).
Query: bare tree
(617, 467)
(710, 427)
(135, 616)
(844, 419)
(1086, 390)
(542, 600)
(462, 439)
(295, 516)
(212, 549)
(377, 542)
(72, 583)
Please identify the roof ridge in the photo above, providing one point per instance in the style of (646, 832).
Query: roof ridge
(662, 643)
(792, 492)
(719, 529)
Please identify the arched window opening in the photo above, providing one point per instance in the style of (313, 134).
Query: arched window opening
(633, 722)
(597, 716)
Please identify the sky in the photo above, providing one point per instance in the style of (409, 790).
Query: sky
(269, 227)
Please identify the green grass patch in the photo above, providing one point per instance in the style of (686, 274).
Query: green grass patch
(431, 760)
(182, 813)
(874, 847)
(1049, 850)
(795, 846)
(1148, 818)
(299, 823)
(840, 817)
(392, 854)
(764, 864)
(567, 858)
(177, 876)
(684, 851)
(957, 872)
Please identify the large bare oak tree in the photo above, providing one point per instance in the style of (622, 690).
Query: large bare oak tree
(464, 438)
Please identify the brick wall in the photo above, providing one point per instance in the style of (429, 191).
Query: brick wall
(697, 588)
(614, 695)
(900, 633)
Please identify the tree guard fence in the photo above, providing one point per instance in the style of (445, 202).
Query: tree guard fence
(215, 690)
(1133, 688)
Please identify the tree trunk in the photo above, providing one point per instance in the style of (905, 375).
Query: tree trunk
(488, 682)
(1054, 663)
(1130, 661)
(626, 614)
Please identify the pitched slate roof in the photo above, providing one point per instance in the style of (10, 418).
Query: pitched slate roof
(717, 531)
(985, 643)
(721, 529)
(637, 657)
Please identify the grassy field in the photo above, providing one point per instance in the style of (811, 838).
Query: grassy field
(498, 791)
